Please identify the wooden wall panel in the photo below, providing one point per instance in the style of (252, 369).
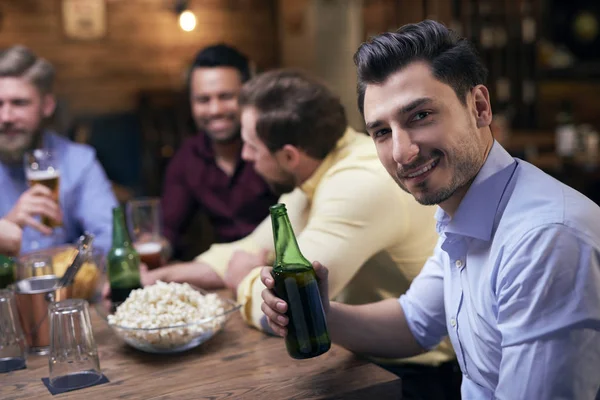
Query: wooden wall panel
(388, 15)
(439, 10)
(409, 12)
(379, 16)
(144, 47)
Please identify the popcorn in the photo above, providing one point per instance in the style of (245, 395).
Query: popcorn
(178, 309)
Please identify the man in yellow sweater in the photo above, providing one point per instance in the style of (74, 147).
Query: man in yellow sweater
(338, 197)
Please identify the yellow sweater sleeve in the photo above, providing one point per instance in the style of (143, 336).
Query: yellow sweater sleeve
(350, 221)
(251, 286)
(218, 255)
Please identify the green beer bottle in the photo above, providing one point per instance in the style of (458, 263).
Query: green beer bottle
(296, 283)
(123, 261)
(7, 271)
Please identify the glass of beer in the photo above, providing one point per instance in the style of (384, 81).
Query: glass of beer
(145, 228)
(42, 168)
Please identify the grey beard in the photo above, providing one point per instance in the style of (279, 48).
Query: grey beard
(12, 158)
(16, 157)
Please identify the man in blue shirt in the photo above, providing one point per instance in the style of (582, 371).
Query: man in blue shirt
(515, 277)
(85, 195)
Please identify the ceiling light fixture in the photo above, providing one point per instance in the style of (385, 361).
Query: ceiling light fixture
(187, 19)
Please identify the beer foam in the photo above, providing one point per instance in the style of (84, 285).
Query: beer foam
(148, 247)
(34, 175)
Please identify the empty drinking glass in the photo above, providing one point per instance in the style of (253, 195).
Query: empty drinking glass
(73, 358)
(13, 350)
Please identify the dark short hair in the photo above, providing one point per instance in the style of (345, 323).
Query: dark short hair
(20, 62)
(294, 108)
(222, 55)
(453, 60)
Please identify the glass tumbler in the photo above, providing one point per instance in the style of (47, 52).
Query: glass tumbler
(73, 358)
(145, 228)
(13, 349)
(32, 265)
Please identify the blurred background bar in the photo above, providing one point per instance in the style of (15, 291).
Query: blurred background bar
(122, 68)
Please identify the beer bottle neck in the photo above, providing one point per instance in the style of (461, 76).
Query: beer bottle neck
(286, 247)
(120, 234)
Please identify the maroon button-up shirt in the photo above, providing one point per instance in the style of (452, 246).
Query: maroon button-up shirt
(234, 204)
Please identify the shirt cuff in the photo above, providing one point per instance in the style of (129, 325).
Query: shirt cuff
(249, 296)
(417, 324)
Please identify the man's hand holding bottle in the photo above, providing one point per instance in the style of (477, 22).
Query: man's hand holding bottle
(275, 308)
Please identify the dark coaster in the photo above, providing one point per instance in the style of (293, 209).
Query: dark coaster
(76, 381)
(11, 364)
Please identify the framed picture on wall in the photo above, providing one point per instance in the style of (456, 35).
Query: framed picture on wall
(84, 19)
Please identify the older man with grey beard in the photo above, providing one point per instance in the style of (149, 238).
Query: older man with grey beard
(85, 196)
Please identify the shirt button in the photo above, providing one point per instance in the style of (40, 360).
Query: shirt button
(458, 263)
(453, 322)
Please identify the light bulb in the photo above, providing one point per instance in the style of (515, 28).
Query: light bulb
(187, 21)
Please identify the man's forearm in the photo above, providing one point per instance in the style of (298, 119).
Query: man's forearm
(195, 273)
(10, 238)
(376, 329)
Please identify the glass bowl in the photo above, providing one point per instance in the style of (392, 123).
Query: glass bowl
(174, 338)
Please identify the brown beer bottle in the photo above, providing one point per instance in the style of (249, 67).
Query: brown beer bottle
(296, 284)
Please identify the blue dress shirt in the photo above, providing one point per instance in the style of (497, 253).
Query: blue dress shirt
(86, 197)
(515, 282)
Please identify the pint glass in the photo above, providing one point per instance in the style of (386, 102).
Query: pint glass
(144, 220)
(42, 168)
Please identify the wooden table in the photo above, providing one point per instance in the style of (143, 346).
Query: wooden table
(238, 363)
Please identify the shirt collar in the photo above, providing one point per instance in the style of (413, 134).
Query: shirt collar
(49, 140)
(476, 212)
(203, 146)
(340, 151)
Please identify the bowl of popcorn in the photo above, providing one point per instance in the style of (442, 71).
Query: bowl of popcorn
(167, 317)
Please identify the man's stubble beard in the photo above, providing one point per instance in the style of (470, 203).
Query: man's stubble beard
(286, 185)
(236, 136)
(280, 189)
(15, 157)
(465, 172)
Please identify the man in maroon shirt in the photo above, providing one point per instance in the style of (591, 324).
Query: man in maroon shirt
(207, 173)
